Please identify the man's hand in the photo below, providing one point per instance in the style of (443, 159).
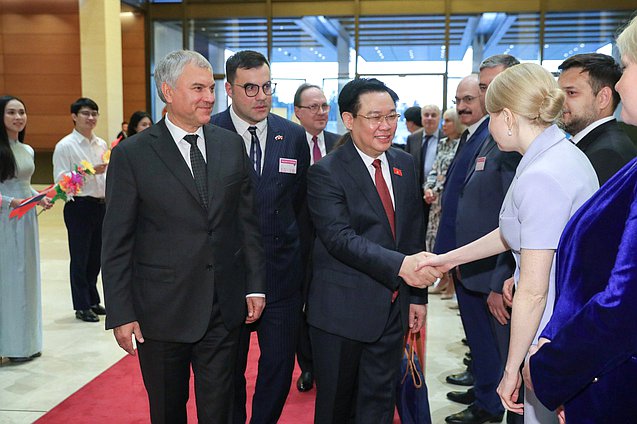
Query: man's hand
(497, 307)
(417, 317)
(100, 168)
(416, 275)
(429, 196)
(561, 416)
(255, 308)
(124, 336)
(507, 292)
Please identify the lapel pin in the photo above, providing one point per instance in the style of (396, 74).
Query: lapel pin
(278, 137)
(398, 172)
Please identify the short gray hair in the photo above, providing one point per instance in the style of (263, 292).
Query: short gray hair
(496, 60)
(172, 65)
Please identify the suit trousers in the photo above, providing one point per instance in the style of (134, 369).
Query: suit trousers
(83, 218)
(304, 346)
(486, 338)
(277, 331)
(166, 371)
(356, 381)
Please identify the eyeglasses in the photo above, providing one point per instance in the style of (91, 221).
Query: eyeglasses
(252, 89)
(88, 113)
(324, 108)
(376, 120)
(466, 99)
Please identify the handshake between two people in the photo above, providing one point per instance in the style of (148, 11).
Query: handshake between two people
(424, 269)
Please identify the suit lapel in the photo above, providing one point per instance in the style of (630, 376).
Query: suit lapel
(274, 148)
(484, 151)
(213, 162)
(357, 170)
(593, 135)
(167, 150)
(399, 187)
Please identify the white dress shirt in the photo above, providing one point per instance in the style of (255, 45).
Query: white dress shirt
(183, 146)
(71, 151)
(242, 129)
(320, 140)
(384, 166)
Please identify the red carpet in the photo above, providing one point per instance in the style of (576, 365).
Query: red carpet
(118, 396)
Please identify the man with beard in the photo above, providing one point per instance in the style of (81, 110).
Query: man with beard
(588, 80)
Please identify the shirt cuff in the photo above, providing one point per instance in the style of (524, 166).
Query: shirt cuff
(255, 295)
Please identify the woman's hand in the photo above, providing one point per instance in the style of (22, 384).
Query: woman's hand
(430, 196)
(509, 391)
(46, 203)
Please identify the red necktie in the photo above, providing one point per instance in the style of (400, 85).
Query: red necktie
(316, 150)
(385, 198)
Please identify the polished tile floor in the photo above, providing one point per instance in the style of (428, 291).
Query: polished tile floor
(75, 352)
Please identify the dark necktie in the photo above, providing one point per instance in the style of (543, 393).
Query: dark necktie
(423, 157)
(463, 141)
(255, 150)
(198, 169)
(385, 197)
(316, 150)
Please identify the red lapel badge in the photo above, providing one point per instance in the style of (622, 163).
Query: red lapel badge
(398, 172)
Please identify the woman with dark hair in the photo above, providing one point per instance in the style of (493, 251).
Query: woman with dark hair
(138, 122)
(20, 307)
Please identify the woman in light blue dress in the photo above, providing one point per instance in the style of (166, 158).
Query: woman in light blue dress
(20, 306)
(554, 178)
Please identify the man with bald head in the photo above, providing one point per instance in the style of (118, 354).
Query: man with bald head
(477, 182)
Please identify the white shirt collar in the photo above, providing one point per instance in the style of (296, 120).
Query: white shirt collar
(242, 126)
(368, 160)
(473, 127)
(580, 135)
(179, 133)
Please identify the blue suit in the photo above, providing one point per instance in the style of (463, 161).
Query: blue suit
(475, 197)
(280, 199)
(590, 366)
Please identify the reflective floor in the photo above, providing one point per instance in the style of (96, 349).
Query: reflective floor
(75, 351)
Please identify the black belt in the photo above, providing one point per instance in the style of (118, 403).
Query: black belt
(91, 199)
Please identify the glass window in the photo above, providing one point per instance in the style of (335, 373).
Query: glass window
(570, 33)
(167, 37)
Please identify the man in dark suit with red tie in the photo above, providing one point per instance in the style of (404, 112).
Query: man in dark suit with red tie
(312, 110)
(280, 159)
(366, 206)
(182, 253)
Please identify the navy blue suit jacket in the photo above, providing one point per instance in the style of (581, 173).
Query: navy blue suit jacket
(356, 259)
(330, 140)
(280, 199)
(478, 214)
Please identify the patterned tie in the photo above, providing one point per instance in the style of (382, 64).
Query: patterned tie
(198, 169)
(255, 150)
(316, 150)
(385, 197)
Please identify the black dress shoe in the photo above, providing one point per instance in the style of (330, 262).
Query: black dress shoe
(467, 362)
(473, 415)
(87, 315)
(20, 359)
(462, 379)
(465, 342)
(36, 355)
(305, 381)
(466, 398)
(98, 309)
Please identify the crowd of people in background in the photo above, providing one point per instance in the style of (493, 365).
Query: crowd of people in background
(324, 245)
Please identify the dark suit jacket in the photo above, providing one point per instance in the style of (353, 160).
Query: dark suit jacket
(608, 148)
(330, 140)
(280, 199)
(478, 214)
(414, 146)
(164, 256)
(356, 259)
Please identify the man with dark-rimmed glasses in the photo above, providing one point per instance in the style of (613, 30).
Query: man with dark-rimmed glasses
(280, 158)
